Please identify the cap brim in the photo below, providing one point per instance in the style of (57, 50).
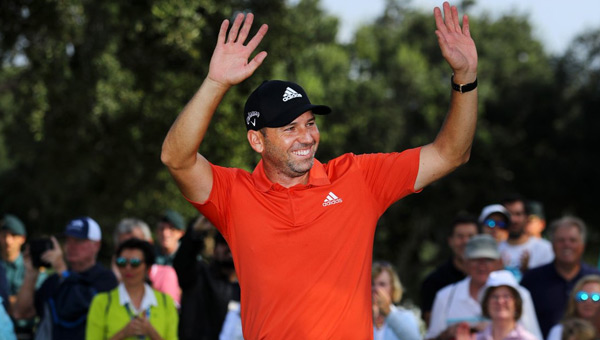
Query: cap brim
(288, 117)
(484, 254)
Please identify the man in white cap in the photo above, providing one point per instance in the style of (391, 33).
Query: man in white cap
(63, 300)
(459, 302)
(494, 220)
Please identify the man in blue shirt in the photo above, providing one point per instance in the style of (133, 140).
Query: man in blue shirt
(551, 284)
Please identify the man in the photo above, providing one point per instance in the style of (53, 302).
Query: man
(494, 220)
(536, 220)
(301, 232)
(168, 232)
(163, 278)
(208, 288)
(12, 237)
(520, 251)
(454, 269)
(63, 300)
(459, 302)
(551, 284)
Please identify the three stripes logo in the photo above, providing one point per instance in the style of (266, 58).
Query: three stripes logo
(331, 199)
(290, 94)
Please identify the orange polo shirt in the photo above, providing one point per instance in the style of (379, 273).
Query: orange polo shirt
(303, 254)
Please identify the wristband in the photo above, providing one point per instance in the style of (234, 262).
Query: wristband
(462, 88)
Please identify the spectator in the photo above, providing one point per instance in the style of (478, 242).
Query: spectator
(520, 251)
(459, 302)
(207, 288)
(536, 220)
(584, 303)
(389, 321)
(133, 309)
(494, 220)
(63, 300)
(502, 303)
(557, 279)
(12, 237)
(163, 278)
(168, 232)
(463, 227)
(578, 329)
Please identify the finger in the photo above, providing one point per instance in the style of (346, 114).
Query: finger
(223, 32)
(257, 38)
(439, 21)
(448, 17)
(455, 20)
(235, 28)
(465, 28)
(54, 242)
(256, 61)
(246, 28)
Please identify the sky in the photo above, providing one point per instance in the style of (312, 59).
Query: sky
(554, 22)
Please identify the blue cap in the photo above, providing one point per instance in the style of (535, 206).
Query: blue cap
(84, 228)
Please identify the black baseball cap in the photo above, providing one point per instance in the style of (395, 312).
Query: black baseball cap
(276, 103)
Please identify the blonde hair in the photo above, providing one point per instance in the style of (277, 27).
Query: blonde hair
(381, 266)
(572, 305)
(578, 329)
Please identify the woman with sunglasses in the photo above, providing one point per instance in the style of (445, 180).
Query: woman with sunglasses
(584, 303)
(133, 310)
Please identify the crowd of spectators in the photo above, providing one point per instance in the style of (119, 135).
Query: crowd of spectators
(503, 280)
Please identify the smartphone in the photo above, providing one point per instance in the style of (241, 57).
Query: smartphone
(36, 248)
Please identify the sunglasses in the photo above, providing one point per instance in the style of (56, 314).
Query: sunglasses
(584, 296)
(492, 224)
(134, 262)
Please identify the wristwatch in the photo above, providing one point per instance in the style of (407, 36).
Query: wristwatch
(462, 88)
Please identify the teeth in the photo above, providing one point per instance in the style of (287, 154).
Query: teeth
(302, 152)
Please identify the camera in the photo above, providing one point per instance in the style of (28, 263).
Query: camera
(36, 248)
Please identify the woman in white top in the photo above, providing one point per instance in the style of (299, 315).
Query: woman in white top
(584, 302)
(390, 322)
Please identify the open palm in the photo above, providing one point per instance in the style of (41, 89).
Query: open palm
(455, 42)
(229, 64)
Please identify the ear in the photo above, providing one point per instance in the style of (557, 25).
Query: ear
(256, 140)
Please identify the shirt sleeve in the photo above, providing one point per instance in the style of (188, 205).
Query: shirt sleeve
(437, 324)
(390, 176)
(96, 318)
(403, 324)
(215, 209)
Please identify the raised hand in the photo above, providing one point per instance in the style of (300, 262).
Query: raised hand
(455, 42)
(229, 64)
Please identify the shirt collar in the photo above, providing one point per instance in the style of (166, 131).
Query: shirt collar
(316, 177)
(148, 300)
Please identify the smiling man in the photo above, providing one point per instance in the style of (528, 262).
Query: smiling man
(300, 231)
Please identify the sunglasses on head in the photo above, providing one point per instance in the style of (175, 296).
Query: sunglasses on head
(584, 296)
(134, 262)
(493, 224)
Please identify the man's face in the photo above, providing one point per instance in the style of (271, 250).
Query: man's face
(568, 245)
(80, 251)
(518, 218)
(459, 238)
(10, 243)
(479, 269)
(168, 236)
(290, 149)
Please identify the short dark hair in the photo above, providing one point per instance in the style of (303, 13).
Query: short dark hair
(515, 197)
(515, 294)
(463, 218)
(144, 246)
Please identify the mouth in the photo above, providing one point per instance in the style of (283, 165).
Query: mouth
(305, 152)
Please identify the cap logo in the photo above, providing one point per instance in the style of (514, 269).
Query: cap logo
(76, 224)
(252, 114)
(290, 94)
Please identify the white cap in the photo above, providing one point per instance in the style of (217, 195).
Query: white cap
(500, 278)
(492, 209)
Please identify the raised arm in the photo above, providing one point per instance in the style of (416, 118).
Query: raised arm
(229, 66)
(452, 146)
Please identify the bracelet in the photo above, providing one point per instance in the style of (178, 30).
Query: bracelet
(462, 88)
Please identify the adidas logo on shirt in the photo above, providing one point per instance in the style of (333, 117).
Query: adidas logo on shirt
(290, 94)
(331, 199)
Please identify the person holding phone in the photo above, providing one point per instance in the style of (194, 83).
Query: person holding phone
(63, 300)
(133, 309)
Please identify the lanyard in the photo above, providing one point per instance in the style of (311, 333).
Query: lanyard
(141, 337)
